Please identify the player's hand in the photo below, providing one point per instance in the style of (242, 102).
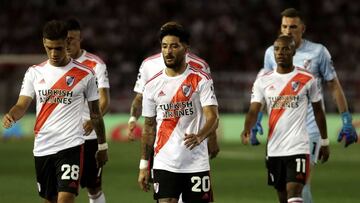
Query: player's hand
(143, 179)
(324, 154)
(192, 140)
(257, 128)
(131, 128)
(101, 157)
(349, 134)
(245, 135)
(348, 131)
(88, 127)
(213, 145)
(7, 121)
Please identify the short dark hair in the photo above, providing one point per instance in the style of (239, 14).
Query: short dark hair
(175, 29)
(73, 24)
(54, 30)
(292, 13)
(286, 38)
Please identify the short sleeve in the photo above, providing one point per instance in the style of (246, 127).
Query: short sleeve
(91, 91)
(140, 81)
(326, 65)
(27, 87)
(102, 76)
(207, 93)
(148, 104)
(257, 93)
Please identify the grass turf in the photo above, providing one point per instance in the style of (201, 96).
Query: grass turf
(238, 175)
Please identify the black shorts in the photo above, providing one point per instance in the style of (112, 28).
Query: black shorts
(194, 187)
(284, 169)
(150, 165)
(92, 175)
(59, 172)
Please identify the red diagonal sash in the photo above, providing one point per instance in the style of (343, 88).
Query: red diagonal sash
(288, 90)
(168, 125)
(89, 63)
(48, 108)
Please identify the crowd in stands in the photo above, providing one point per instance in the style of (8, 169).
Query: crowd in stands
(231, 35)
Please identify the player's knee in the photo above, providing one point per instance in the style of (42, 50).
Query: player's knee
(294, 189)
(168, 200)
(65, 197)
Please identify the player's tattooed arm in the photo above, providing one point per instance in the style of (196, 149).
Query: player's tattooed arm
(101, 155)
(136, 105)
(134, 115)
(97, 120)
(148, 137)
(104, 103)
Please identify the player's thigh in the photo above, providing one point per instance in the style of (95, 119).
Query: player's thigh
(197, 187)
(68, 169)
(46, 177)
(314, 141)
(167, 184)
(91, 175)
(276, 169)
(297, 168)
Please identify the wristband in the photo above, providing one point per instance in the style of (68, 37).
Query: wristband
(103, 146)
(143, 164)
(324, 142)
(132, 119)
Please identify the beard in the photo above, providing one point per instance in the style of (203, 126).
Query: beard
(175, 64)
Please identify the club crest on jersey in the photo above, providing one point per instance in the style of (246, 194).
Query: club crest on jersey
(186, 89)
(70, 80)
(295, 85)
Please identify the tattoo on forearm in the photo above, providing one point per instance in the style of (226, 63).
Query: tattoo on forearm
(148, 137)
(135, 106)
(97, 121)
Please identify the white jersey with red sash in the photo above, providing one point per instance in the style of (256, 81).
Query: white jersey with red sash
(99, 67)
(287, 97)
(153, 64)
(60, 93)
(177, 104)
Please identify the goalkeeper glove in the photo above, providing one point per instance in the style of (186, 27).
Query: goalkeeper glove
(257, 128)
(348, 131)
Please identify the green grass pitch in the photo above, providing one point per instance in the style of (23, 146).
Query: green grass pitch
(238, 175)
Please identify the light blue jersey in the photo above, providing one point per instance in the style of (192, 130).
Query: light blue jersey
(314, 58)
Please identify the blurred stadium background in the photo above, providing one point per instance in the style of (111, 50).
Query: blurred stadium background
(231, 35)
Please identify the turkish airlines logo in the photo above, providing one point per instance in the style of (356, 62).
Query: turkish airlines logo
(70, 80)
(186, 89)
